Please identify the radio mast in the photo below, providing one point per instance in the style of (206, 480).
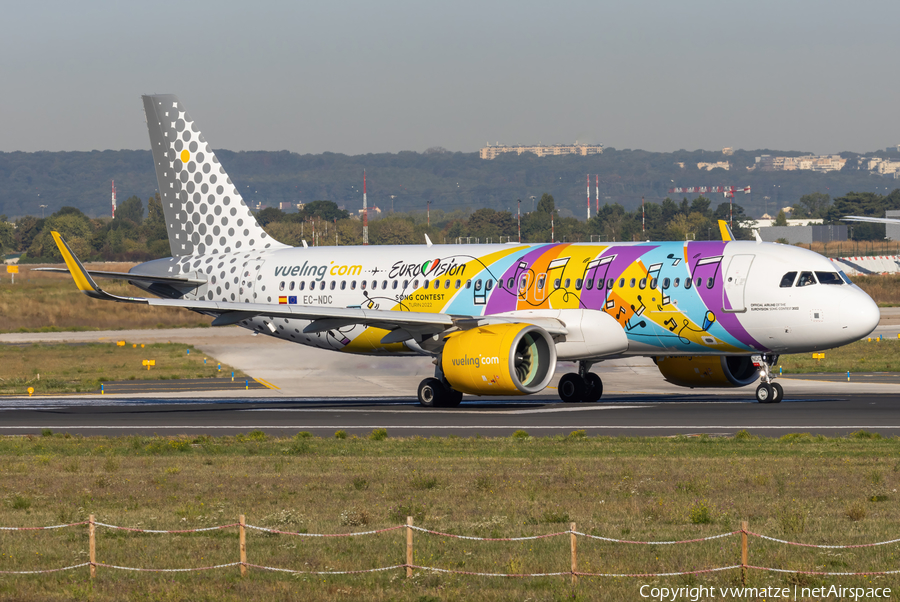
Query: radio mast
(365, 213)
(114, 198)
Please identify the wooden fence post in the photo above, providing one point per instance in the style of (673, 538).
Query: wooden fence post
(409, 546)
(574, 553)
(92, 546)
(745, 553)
(242, 521)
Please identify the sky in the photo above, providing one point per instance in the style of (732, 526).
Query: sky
(359, 77)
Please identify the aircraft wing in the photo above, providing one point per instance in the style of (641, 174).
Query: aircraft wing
(873, 220)
(407, 324)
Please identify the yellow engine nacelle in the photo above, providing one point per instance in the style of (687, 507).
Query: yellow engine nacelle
(499, 359)
(723, 371)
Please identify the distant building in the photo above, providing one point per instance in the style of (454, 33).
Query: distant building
(493, 151)
(803, 234)
(819, 163)
(727, 151)
(711, 166)
(882, 166)
(680, 164)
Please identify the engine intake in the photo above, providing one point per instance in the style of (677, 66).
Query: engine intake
(722, 371)
(499, 359)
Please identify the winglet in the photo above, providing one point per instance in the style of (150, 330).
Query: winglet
(428, 241)
(725, 231)
(83, 280)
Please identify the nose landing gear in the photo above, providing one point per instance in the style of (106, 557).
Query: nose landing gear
(584, 386)
(767, 391)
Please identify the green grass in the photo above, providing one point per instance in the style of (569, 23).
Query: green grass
(63, 368)
(862, 356)
(799, 487)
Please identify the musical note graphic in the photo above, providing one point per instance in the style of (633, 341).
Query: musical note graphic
(629, 326)
(673, 326)
(610, 304)
(640, 310)
(675, 260)
(706, 269)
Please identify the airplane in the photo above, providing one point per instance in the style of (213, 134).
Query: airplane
(495, 318)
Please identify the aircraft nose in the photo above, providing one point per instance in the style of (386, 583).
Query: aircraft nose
(859, 314)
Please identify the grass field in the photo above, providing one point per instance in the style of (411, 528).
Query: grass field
(800, 488)
(43, 302)
(82, 367)
(861, 356)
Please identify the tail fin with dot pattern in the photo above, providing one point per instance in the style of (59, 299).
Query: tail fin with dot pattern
(204, 211)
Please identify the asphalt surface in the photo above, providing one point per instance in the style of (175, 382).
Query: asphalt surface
(638, 415)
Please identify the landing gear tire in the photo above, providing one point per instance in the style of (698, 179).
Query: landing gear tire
(778, 393)
(571, 388)
(452, 398)
(593, 388)
(765, 393)
(431, 392)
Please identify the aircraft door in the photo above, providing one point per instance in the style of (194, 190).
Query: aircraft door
(251, 281)
(734, 283)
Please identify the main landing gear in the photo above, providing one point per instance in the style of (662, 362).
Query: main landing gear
(767, 391)
(583, 386)
(437, 393)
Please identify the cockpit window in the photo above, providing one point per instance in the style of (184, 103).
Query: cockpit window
(806, 278)
(829, 278)
(787, 281)
(844, 277)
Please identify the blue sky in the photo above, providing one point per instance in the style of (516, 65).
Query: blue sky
(358, 77)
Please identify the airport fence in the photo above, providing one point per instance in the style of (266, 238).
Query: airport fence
(410, 566)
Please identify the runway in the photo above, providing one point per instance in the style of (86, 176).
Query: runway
(304, 389)
(637, 415)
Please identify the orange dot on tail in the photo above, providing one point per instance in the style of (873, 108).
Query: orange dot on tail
(185, 156)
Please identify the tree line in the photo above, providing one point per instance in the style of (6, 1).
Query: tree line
(132, 236)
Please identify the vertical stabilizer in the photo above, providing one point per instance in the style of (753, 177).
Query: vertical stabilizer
(204, 211)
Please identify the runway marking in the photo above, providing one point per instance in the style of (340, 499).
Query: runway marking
(430, 412)
(437, 426)
(265, 383)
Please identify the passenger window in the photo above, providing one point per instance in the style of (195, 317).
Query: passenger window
(396, 282)
(631, 284)
(622, 283)
(787, 281)
(687, 283)
(416, 283)
(405, 284)
(642, 284)
(587, 285)
(805, 279)
(384, 285)
(343, 285)
(542, 279)
(488, 285)
(478, 284)
(578, 284)
(425, 285)
(556, 283)
(362, 285)
(568, 282)
(332, 285)
(523, 284)
(281, 286)
(666, 283)
(610, 283)
(509, 283)
(653, 283)
(699, 281)
(709, 282)
(675, 283)
(458, 284)
(829, 278)
(352, 285)
(469, 283)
